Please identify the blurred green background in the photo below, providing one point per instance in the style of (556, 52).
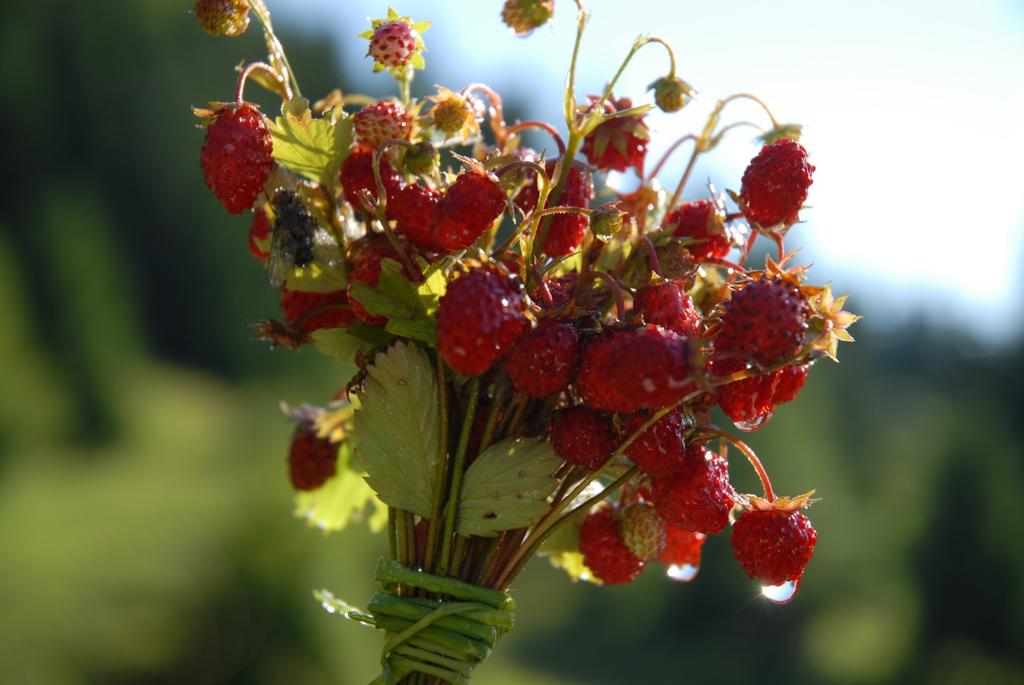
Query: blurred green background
(146, 533)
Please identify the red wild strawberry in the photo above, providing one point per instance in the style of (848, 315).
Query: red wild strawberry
(643, 531)
(748, 402)
(682, 546)
(789, 381)
(313, 311)
(582, 437)
(619, 143)
(259, 235)
(660, 450)
(751, 401)
(699, 497)
(222, 17)
(311, 460)
(604, 551)
(381, 122)
(775, 183)
(628, 370)
(357, 177)
(773, 546)
(765, 321)
(366, 256)
(542, 361)
(667, 305)
(592, 382)
(467, 209)
(565, 231)
(236, 157)
(700, 222)
(561, 290)
(482, 313)
(394, 43)
(412, 207)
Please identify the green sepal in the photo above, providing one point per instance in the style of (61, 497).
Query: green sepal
(339, 344)
(408, 307)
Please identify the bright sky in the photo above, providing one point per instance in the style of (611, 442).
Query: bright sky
(913, 114)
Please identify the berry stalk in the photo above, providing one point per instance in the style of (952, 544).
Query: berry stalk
(458, 470)
(441, 474)
(746, 451)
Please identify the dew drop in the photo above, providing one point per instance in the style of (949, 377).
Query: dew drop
(781, 594)
(682, 573)
(754, 423)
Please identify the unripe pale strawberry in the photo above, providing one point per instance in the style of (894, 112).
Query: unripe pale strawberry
(523, 16)
(643, 531)
(381, 122)
(222, 17)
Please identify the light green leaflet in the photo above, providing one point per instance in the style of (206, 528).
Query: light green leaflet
(507, 487)
(314, 148)
(408, 307)
(397, 428)
(344, 496)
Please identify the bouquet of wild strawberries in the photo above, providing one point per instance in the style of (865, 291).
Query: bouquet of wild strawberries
(534, 374)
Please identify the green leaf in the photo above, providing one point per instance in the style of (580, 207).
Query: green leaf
(397, 428)
(315, 279)
(572, 563)
(372, 335)
(507, 487)
(314, 148)
(562, 549)
(400, 301)
(343, 497)
(423, 329)
(339, 344)
(434, 285)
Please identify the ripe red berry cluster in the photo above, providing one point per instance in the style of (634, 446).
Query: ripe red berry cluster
(617, 337)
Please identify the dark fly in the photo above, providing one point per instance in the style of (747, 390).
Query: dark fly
(294, 237)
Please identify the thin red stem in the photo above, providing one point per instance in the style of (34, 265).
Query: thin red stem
(542, 285)
(762, 474)
(497, 112)
(547, 128)
(777, 238)
(652, 256)
(381, 210)
(668, 153)
(259, 66)
(726, 263)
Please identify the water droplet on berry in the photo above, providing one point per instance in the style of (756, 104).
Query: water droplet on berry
(781, 594)
(754, 423)
(682, 573)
